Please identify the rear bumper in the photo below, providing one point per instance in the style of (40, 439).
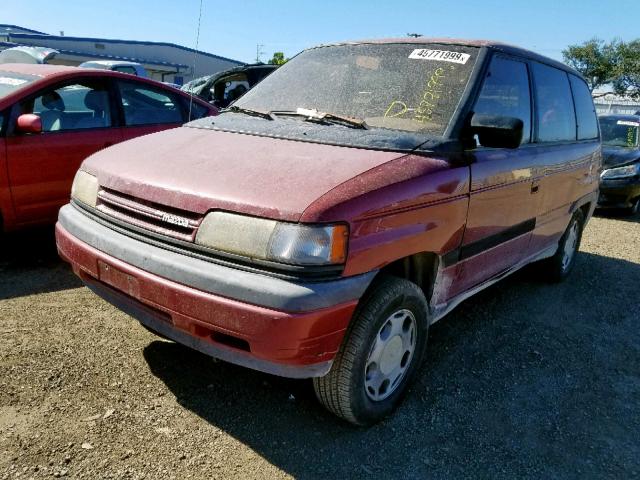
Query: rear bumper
(277, 326)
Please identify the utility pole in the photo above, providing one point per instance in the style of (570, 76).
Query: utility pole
(259, 52)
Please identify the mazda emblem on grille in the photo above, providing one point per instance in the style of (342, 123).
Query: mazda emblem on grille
(175, 220)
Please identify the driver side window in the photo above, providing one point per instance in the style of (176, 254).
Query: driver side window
(506, 92)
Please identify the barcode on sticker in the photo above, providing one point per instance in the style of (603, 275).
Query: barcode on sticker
(628, 123)
(440, 55)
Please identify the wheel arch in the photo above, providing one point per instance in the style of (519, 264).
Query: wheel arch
(419, 268)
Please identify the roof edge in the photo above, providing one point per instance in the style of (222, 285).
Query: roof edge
(46, 36)
(479, 43)
(7, 25)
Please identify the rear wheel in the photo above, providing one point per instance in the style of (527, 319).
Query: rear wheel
(380, 354)
(558, 267)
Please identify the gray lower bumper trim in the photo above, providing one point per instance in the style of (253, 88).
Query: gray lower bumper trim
(146, 317)
(254, 288)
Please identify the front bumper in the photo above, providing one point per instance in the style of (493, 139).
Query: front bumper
(286, 328)
(619, 193)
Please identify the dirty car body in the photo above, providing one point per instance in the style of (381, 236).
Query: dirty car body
(266, 235)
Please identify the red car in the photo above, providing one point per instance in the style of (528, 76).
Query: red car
(318, 227)
(53, 117)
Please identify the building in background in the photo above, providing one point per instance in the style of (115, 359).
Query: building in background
(166, 62)
(615, 104)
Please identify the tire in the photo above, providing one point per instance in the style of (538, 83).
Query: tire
(557, 268)
(385, 342)
(635, 208)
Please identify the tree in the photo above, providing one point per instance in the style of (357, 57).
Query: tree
(278, 59)
(627, 73)
(595, 60)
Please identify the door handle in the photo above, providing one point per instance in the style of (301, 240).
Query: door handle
(535, 187)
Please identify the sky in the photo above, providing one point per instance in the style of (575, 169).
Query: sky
(233, 29)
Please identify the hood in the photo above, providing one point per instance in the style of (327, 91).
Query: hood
(198, 170)
(619, 156)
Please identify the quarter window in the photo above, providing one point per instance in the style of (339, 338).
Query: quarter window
(124, 69)
(145, 105)
(585, 110)
(556, 115)
(506, 92)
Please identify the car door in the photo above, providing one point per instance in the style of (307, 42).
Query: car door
(503, 194)
(147, 108)
(568, 139)
(77, 121)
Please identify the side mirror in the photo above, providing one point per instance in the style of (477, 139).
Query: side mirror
(29, 123)
(497, 131)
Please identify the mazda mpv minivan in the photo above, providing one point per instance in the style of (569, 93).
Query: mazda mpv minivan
(317, 227)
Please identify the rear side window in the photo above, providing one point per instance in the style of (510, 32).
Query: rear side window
(555, 113)
(506, 92)
(585, 110)
(146, 105)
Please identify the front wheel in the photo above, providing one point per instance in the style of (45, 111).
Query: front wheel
(380, 355)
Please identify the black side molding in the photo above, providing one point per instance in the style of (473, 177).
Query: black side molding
(479, 246)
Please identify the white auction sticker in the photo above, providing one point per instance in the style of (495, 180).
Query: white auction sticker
(14, 82)
(628, 123)
(440, 55)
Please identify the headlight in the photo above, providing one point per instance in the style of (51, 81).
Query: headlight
(264, 239)
(85, 188)
(621, 172)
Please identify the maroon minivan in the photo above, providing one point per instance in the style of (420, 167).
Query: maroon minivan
(317, 227)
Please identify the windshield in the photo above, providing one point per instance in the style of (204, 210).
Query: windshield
(619, 132)
(10, 82)
(409, 87)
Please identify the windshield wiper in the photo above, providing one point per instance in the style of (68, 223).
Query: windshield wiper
(249, 111)
(312, 115)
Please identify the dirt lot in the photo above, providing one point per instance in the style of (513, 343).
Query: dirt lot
(524, 380)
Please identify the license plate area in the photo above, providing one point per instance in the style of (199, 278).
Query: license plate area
(118, 279)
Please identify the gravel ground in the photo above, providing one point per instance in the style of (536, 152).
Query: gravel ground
(524, 380)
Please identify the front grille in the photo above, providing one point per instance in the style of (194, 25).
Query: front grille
(172, 222)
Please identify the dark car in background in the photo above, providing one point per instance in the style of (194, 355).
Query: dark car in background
(225, 87)
(620, 179)
(53, 117)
